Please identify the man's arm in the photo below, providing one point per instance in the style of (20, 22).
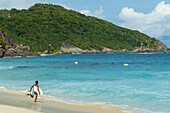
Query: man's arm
(38, 89)
(31, 88)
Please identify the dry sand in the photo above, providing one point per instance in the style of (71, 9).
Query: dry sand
(10, 109)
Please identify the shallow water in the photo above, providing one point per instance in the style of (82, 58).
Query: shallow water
(143, 86)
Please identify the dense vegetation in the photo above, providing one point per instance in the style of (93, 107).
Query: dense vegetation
(45, 26)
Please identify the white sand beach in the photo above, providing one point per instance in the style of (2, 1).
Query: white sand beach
(11, 109)
(16, 102)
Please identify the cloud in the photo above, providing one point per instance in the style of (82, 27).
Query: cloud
(19, 4)
(155, 23)
(66, 7)
(97, 13)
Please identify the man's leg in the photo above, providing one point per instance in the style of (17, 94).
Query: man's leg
(32, 96)
(36, 98)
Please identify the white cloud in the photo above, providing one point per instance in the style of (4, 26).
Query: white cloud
(97, 13)
(155, 24)
(86, 12)
(66, 7)
(19, 4)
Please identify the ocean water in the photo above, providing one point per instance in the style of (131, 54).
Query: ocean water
(143, 86)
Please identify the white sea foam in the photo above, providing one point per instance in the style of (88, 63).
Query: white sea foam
(139, 110)
(31, 56)
(17, 56)
(1, 87)
(46, 54)
(145, 53)
(6, 67)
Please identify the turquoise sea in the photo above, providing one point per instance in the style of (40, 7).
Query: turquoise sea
(143, 86)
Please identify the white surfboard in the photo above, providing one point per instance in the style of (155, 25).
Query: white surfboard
(41, 92)
(32, 92)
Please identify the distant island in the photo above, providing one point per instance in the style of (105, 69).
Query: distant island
(50, 29)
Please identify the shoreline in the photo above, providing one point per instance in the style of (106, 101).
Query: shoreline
(17, 100)
(44, 55)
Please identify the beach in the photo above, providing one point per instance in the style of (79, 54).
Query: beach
(16, 102)
(10, 109)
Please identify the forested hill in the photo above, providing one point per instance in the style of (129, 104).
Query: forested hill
(48, 27)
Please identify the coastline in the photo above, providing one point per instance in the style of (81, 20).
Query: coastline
(25, 51)
(16, 101)
(44, 55)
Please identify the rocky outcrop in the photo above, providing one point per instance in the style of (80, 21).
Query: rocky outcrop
(12, 50)
(2, 51)
(105, 49)
(143, 50)
(18, 51)
(66, 48)
(15, 51)
(6, 39)
(160, 47)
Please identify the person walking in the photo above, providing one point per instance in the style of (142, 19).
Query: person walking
(36, 91)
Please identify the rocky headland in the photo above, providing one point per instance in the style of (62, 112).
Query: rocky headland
(65, 48)
(11, 50)
(20, 50)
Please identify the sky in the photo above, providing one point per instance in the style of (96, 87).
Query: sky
(151, 17)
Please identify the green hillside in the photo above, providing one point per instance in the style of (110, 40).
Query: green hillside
(45, 26)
